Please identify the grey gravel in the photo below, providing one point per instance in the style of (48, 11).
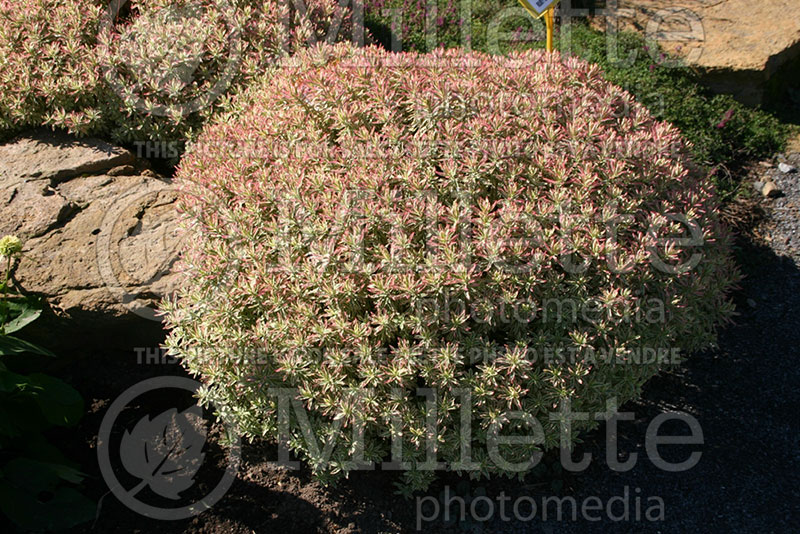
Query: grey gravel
(782, 229)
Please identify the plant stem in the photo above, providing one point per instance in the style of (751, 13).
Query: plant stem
(3, 298)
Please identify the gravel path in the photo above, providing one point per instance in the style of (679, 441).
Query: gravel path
(782, 229)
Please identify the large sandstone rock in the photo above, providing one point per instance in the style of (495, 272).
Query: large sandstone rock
(56, 157)
(738, 45)
(99, 229)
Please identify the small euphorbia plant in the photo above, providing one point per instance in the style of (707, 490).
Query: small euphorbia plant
(408, 256)
(10, 248)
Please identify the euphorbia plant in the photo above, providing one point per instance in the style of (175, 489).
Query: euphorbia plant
(437, 248)
(144, 70)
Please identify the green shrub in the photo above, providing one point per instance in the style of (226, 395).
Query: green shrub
(363, 224)
(154, 72)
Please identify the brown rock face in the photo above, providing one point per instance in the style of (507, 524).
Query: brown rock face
(739, 45)
(55, 157)
(98, 247)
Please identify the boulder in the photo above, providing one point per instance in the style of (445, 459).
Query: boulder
(55, 156)
(99, 228)
(738, 46)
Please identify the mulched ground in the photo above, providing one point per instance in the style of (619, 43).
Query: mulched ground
(744, 395)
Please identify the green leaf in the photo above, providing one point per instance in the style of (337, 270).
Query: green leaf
(20, 412)
(36, 476)
(10, 381)
(39, 400)
(14, 345)
(38, 448)
(60, 403)
(24, 314)
(34, 512)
